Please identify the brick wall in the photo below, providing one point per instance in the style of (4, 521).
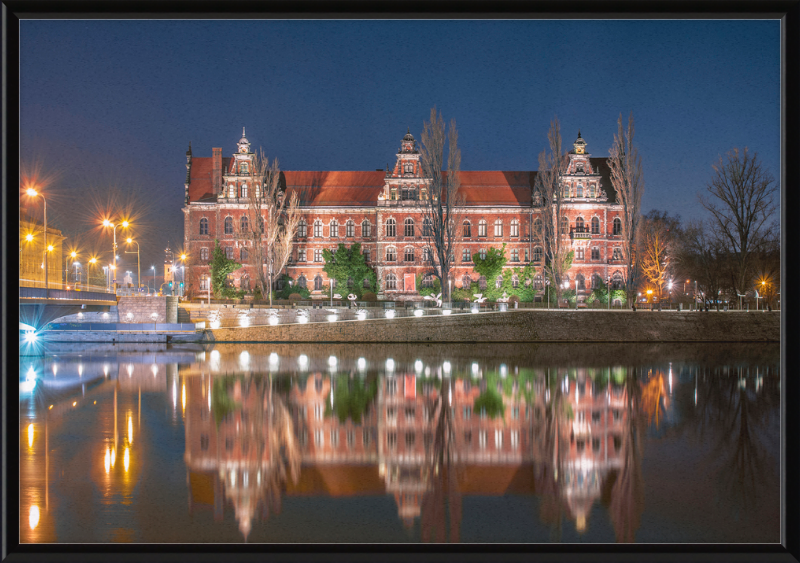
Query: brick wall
(528, 326)
(140, 309)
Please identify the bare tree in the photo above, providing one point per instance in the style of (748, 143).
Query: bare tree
(549, 193)
(628, 182)
(741, 200)
(443, 207)
(702, 257)
(657, 236)
(272, 220)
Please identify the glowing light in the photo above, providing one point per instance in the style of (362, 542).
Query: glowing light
(30, 435)
(332, 361)
(244, 321)
(105, 315)
(418, 365)
(74, 403)
(154, 369)
(302, 319)
(419, 313)
(390, 313)
(106, 223)
(73, 254)
(302, 361)
(30, 336)
(107, 460)
(183, 396)
(55, 369)
(446, 367)
(29, 237)
(126, 459)
(503, 370)
(125, 223)
(273, 359)
(244, 359)
(130, 240)
(130, 370)
(33, 517)
(390, 364)
(174, 394)
(362, 364)
(446, 311)
(49, 248)
(475, 369)
(475, 309)
(273, 320)
(130, 430)
(183, 257)
(362, 315)
(113, 456)
(215, 324)
(51, 406)
(215, 355)
(31, 192)
(105, 370)
(331, 318)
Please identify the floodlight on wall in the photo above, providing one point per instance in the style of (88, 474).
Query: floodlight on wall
(418, 312)
(390, 313)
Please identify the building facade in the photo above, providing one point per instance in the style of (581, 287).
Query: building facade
(384, 211)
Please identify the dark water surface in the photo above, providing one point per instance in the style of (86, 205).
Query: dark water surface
(401, 443)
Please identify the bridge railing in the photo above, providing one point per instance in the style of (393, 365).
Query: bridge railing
(42, 293)
(64, 286)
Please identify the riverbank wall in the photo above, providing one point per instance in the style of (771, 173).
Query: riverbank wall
(525, 326)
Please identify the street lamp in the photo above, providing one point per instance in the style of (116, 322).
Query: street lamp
(138, 263)
(154, 279)
(124, 224)
(33, 193)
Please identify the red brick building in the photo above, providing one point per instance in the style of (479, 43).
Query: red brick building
(383, 211)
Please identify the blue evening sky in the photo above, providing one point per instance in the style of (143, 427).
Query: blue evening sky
(109, 107)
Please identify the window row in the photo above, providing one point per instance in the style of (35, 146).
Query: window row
(367, 437)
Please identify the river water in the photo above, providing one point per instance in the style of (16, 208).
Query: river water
(513, 443)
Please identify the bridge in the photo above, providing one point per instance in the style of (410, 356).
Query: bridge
(39, 305)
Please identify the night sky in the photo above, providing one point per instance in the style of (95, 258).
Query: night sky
(108, 108)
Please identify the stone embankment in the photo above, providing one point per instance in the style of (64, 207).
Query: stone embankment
(526, 326)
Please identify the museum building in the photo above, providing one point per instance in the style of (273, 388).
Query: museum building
(384, 211)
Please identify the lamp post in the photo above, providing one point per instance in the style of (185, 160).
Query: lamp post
(124, 224)
(669, 288)
(608, 289)
(138, 263)
(576, 293)
(547, 292)
(33, 193)
(154, 280)
(77, 266)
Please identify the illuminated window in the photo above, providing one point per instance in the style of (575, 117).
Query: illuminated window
(409, 257)
(465, 256)
(350, 229)
(579, 253)
(482, 439)
(317, 255)
(391, 254)
(391, 440)
(391, 282)
(482, 228)
(515, 255)
(335, 438)
(317, 228)
(366, 228)
(498, 439)
(204, 254)
(334, 229)
(302, 228)
(514, 228)
(617, 226)
(391, 228)
(498, 228)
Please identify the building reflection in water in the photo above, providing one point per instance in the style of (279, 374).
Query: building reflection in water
(565, 436)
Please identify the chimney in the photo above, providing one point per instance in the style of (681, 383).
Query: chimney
(216, 169)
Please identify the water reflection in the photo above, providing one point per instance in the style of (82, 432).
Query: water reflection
(430, 432)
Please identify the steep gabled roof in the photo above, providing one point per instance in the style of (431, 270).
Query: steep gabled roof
(600, 165)
(334, 188)
(495, 187)
(200, 178)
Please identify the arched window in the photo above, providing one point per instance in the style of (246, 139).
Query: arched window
(581, 281)
(465, 256)
(350, 229)
(301, 282)
(242, 254)
(580, 190)
(302, 228)
(596, 281)
(244, 190)
(514, 228)
(228, 225)
(564, 225)
(427, 281)
(204, 254)
(408, 227)
(317, 283)
(243, 224)
(537, 254)
(366, 228)
(203, 226)
(482, 228)
(595, 226)
(482, 283)
(317, 228)
(391, 228)
(244, 283)
(537, 229)
(334, 229)
(427, 229)
(231, 190)
(616, 281)
(391, 254)
(498, 283)
(579, 225)
(515, 281)
(467, 229)
(617, 226)
(391, 282)
(592, 191)
(498, 228)
(409, 257)
(466, 282)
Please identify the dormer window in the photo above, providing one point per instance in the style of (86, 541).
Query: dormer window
(579, 168)
(408, 168)
(243, 168)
